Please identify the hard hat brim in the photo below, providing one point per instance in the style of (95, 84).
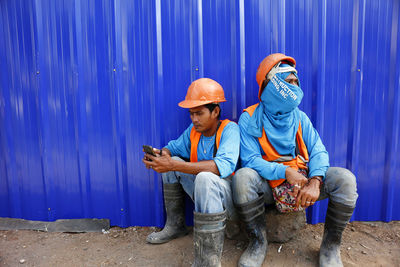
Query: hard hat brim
(196, 103)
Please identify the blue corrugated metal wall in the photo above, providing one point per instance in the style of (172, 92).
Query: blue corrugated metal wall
(85, 83)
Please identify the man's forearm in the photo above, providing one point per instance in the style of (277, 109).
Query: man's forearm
(195, 167)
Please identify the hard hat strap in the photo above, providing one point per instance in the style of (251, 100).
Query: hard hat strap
(215, 140)
(277, 69)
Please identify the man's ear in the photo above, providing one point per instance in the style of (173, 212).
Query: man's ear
(216, 112)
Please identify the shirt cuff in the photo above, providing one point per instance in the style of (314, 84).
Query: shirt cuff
(222, 171)
(317, 173)
(170, 150)
(281, 171)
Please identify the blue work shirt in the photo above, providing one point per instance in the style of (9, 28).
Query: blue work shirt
(227, 155)
(251, 151)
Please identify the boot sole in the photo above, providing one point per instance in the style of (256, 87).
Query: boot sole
(162, 241)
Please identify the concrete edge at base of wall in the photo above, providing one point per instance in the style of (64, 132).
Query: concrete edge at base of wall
(67, 225)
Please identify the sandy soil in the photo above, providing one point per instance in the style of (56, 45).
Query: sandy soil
(364, 244)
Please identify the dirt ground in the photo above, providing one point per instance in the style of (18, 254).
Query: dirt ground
(364, 244)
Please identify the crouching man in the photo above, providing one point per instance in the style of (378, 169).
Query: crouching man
(280, 145)
(212, 147)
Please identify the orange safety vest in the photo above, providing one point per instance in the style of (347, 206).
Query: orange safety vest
(195, 139)
(299, 162)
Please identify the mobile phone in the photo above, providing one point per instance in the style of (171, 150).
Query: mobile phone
(149, 150)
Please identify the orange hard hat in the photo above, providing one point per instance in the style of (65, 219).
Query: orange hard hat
(267, 64)
(201, 92)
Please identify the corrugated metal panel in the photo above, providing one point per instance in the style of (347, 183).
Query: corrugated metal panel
(85, 83)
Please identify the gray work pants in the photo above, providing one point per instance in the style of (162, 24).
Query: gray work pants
(209, 192)
(339, 185)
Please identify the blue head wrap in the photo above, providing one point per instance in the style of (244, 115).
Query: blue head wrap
(278, 113)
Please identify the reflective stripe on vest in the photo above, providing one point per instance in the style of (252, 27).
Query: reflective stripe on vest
(299, 162)
(195, 139)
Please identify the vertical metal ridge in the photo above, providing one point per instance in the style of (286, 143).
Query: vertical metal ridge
(242, 57)
(160, 102)
(200, 37)
(392, 147)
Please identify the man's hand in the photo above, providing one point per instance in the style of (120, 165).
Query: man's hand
(163, 163)
(161, 151)
(296, 179)
(308, 194)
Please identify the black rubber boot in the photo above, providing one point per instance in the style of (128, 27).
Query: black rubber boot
(337, 217)
(252, 213)
(208, 238)
(174, 206)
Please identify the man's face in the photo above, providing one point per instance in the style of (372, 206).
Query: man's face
(292, 79)
(202, 118)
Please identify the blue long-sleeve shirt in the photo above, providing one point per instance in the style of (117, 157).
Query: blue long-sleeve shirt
(227, 154)
(251, 151)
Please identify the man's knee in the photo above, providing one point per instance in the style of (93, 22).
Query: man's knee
(171, 176)
(203, 180)
(341, 177)
(242, 179)
(342, 184)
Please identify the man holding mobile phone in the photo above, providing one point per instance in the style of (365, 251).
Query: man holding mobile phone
(211, 149)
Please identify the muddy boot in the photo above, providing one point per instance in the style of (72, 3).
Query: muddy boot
(174, 206)
(208, 238)
(252, 213)
(337, 217)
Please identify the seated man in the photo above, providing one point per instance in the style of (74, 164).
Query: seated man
(213, 149)
(278, 143)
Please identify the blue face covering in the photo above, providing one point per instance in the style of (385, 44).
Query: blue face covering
(280, 97)
(278, 113)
